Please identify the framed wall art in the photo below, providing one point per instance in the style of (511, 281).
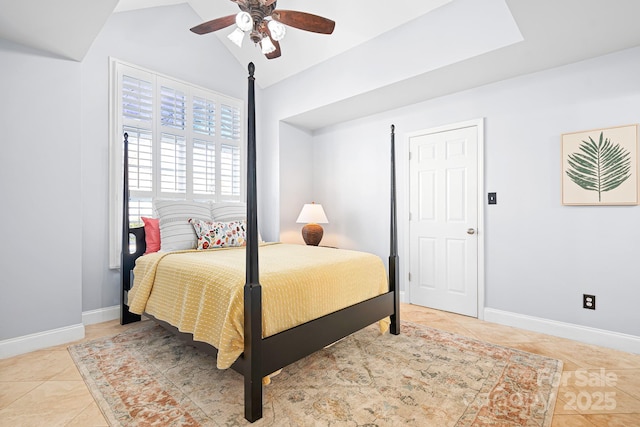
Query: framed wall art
(600, 166)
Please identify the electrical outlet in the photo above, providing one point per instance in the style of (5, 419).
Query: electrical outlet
(589, 301)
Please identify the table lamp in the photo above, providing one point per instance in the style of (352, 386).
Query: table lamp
(312, 214)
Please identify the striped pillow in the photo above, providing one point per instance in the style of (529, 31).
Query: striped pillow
(175, 231)
(228, 211)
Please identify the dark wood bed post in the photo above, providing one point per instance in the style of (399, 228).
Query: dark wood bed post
(126, 260)
(252, 289)
(394, 268)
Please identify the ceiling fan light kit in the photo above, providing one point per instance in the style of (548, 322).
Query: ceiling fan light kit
(236, 36)
(267, 46)
(244, 21)
(277, 30)
(266, 24)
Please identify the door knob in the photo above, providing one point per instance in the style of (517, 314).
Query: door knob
(471, 231)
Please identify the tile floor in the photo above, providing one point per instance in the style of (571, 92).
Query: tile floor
(599, 387)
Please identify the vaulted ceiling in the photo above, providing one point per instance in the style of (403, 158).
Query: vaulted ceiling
(357, 21)
(581, 28)
(438, 46)
(66, 28)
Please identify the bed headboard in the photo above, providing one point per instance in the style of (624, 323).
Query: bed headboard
(128, 258)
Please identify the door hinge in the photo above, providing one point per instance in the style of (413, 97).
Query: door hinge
(409, 276)
(409, 216)
(409, 155)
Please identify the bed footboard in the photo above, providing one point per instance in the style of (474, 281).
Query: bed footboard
(128, 261)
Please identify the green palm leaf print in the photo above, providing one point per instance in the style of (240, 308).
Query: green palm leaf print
(600, 166)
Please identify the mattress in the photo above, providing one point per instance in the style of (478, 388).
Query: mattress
(201, 292)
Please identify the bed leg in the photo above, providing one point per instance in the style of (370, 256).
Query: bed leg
(253, 353)
(126, 316)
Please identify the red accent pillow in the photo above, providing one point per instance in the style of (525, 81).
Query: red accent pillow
(151, 234)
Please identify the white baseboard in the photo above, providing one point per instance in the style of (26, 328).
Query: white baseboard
(38, 341)
(586, 334)
(27, 343)
(101, 315)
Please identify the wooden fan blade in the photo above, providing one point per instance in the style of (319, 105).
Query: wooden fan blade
(276, 53)
(304, 21)
(214, 25)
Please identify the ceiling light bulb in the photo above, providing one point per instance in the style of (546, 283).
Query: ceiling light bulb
(236, 37)
(277, 30)
(267, 46)
(244, 21)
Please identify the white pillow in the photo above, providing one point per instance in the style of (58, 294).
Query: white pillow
(175, 231)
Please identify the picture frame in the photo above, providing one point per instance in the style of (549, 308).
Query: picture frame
(600, 167)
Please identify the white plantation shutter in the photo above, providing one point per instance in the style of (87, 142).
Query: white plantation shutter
(173, 144)
(173, 164)
(204, 145)
(173, 109)
(230, 129)
(140, 159)
(137, 99)
(230, 123)
(204, 167)
(230, 170)
(204, 116)
(184, 143)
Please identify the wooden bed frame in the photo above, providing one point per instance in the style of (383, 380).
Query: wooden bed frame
(263, 356)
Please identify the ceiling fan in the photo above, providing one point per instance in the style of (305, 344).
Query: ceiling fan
(265, 24)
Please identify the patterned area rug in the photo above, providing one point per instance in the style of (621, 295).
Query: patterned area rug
(424, 377)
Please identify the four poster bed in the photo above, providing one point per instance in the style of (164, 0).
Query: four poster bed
(264, 342)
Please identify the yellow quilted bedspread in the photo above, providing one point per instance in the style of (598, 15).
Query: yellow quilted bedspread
(201, 292)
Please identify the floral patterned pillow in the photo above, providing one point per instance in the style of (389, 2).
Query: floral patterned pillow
(213, 235)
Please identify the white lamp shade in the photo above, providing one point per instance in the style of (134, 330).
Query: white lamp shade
(312, 213)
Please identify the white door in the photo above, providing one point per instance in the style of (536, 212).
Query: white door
(443, 243)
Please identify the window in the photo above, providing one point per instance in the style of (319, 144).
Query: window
(184, 143)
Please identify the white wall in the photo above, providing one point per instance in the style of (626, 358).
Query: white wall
(352, 178)
(40, 180)
(378, 63)
(54, 167)
(540, 256)
(297, 188)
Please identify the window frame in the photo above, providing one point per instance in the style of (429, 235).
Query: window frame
(117, 123)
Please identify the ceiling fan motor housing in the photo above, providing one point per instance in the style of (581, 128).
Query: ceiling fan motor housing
(258, 12)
